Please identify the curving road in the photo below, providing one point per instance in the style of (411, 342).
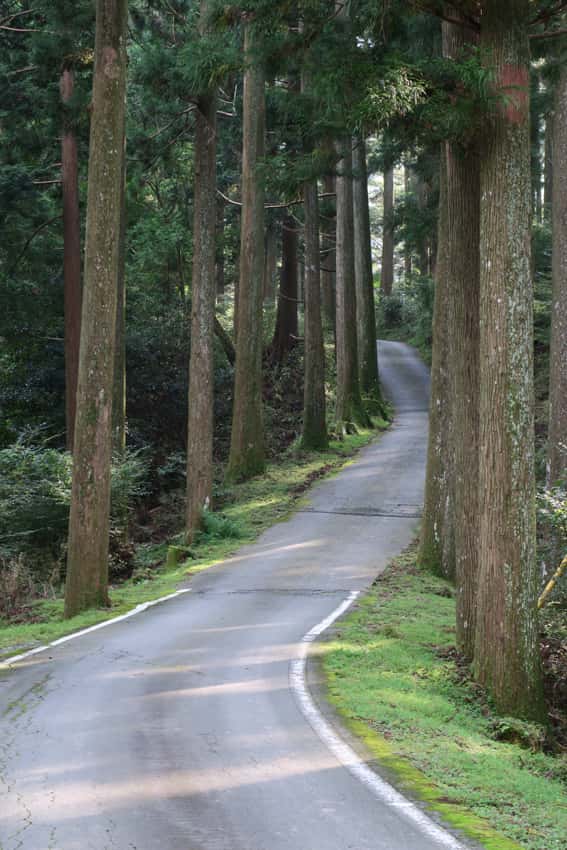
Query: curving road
(178, 728)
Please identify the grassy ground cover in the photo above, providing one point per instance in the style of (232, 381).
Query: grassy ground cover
(393, 674)
(247, 510)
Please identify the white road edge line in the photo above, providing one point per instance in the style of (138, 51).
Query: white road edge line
(143, 606)
(343, 752)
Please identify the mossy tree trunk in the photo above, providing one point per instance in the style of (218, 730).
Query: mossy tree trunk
(247, 437)
(71, 253)
(462, 236)
(507, 659)
(285, 332)
(387, 276)
(87, 559)
(365, 308)
(350, 410)
(557, 438)
(204, 285)
(436, 528)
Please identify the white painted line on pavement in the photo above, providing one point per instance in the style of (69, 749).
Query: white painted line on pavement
(381, 789)
(143, 606)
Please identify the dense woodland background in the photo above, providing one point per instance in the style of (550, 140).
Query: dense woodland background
(466, 159)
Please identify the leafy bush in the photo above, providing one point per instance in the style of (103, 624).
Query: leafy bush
(219, 527)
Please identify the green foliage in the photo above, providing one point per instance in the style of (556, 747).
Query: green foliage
(219, 527)
(407, 314)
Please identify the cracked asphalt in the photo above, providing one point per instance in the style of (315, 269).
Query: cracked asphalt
(177, 728)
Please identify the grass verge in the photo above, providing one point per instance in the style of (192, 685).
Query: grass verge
(394, 677)
(248, 509)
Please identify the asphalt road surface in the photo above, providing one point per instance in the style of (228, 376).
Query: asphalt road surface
(179, 729)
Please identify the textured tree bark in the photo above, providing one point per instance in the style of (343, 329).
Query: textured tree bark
(247, 437)
(285, 332)
(507, 660)
(548, 168)
(408, 261)
(463, 269)
(201, 364)
(557, 438)
(364, 278)
(329, 260)
(71, 257)
(436, 528)
(387, 277)
(350, 410)
(87, 559)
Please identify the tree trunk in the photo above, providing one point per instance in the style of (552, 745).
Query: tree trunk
(87, 559)
(219, 253)
(548, 168)
(247, 437)
(270, 263)
(407, 249)
(119, 381)
(463, 270)
(557, 438)
(201, 364)
(436, 528)
(350, 409)
(329, 259)
(387, 277)
(365, 309)
(285, 333)
(71, 257)
(507, 660)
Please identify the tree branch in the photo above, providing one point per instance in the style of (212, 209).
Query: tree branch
(30, 240)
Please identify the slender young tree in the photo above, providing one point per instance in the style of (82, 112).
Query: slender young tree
(506, 658)
(285, 333)
(350, 410)
(119, 383)
(201, 365)
(364, 278)
(71, 253)
(247, 436)
(87, 559)
(387, 277)
(328, 255)
(557, 438)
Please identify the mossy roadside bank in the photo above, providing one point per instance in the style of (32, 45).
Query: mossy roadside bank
(394, 678)
(247, 510)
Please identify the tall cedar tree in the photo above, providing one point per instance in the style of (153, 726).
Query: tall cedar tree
(462, 235)
(437, 508)
(314, 432)
(387, 276)
(201, 367)
(247, 437)
(119, 381)
(365, 308)
(71, 252)
(87, 560)
(506, 658)
(286, 329)
(557, 440)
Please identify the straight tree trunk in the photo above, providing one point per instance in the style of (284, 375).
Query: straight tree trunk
(119, 382)
(507, 659)
(557, 438)
(463, 268)
(436, 527)
(387, 277)
(247, 437)
(71, 256)
(329, 259)
(270, 263)
(365, 308)
(87, 559)
(285, 333)
(350, 410)
(219, 254)
(548, 168)
(407, 249)
(201, 364)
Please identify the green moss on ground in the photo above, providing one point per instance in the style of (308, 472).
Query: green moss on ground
(392, 674)
(248, 509)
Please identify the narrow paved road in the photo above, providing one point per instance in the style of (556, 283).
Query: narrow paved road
(177, 728)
